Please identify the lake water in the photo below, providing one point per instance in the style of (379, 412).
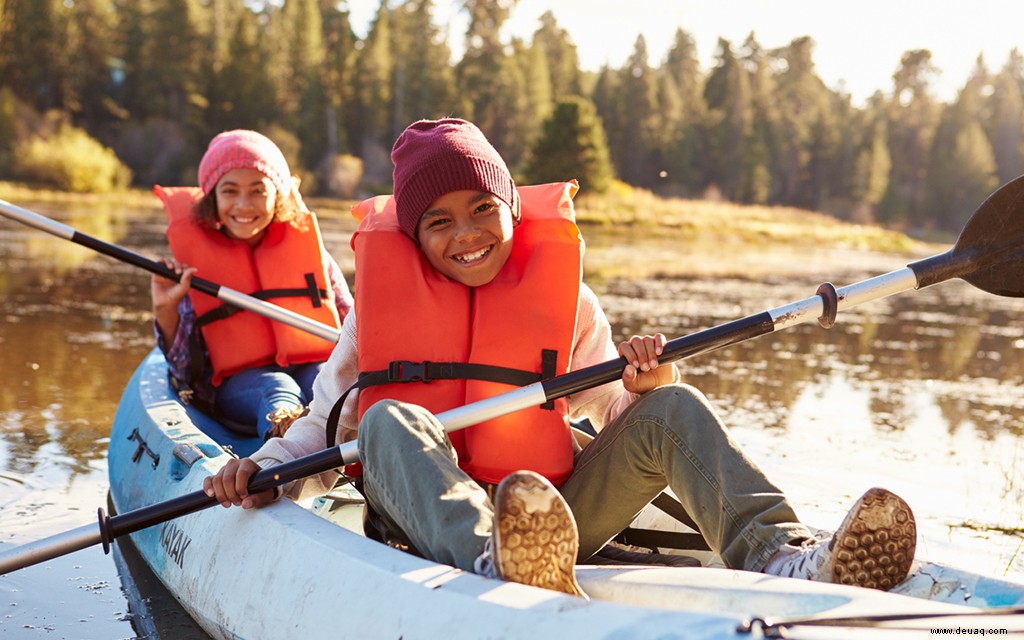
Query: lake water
(920, 392)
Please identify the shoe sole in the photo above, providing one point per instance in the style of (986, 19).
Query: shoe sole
(535, 535)
(874, 547)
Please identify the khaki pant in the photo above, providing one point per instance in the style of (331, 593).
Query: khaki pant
(669, 437)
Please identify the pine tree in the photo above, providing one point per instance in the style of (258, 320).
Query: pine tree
(538, 104)
(505, 119)
(806, 126)
(33, 52)
(90, 46)
(572, 145)
(563, 61)
(760, 159)
(637, 156)
(913, 115)
(370, 129)
(338, 74)
(962, 167)
(872, 162)
(1004, 122)
(728, 126)
(424, 84)
(163, 57)
(608, 100)
(684, 111)
(242, 93)
(302, 100)
(491, 81)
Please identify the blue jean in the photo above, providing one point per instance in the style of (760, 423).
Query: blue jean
(248, 396)
(669, 437)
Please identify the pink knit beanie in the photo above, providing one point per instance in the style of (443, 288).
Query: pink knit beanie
(435, 157)
(242, 149)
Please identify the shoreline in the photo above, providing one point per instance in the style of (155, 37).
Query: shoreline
(636, 235)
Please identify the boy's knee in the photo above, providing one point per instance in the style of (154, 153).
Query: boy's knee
(682, 407)
(678, 393)
(378, 417)
(380, 411)
(385, 416)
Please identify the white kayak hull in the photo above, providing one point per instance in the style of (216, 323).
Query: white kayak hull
(285, 572)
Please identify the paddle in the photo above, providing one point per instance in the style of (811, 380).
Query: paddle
(989, 254)
(225, 294)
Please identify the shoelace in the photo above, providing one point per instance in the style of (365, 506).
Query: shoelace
(484, 563)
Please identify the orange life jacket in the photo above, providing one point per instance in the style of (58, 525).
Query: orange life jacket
(407, 311)
(286, 259)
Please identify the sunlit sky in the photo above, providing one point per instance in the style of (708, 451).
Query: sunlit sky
(858, 44)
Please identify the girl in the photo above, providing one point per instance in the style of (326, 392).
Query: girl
(247, 226)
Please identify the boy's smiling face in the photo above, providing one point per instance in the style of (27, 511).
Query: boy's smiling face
(467, 236)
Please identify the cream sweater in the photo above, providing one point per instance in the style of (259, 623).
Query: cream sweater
(592, 344)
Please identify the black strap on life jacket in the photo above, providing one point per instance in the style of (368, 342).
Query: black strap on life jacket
(311, 291)
(404, 371)
(197, 360)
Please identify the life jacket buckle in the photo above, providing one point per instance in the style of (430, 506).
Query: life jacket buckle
(408, 371)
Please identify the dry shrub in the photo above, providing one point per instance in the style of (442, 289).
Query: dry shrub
(340, 175)
(71, 160)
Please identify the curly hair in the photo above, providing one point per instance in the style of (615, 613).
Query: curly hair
(285, 210)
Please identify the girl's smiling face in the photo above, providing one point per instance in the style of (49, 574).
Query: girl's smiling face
(246, 199)
(467, 236)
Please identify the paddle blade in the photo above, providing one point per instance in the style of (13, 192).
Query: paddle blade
(992, 243)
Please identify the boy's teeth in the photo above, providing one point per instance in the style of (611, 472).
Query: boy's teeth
(469, 257)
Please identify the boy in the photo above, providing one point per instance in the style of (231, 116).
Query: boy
(467, 273)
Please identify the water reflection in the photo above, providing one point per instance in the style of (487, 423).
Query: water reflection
(967, 345)
(27, 248)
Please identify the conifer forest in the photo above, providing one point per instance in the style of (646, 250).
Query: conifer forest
(102, 94)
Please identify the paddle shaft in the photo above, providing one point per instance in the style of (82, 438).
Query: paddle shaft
(225, 294)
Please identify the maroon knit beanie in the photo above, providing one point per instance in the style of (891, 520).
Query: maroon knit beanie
(243, 149)
(435, 157)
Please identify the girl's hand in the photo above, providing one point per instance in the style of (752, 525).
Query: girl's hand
(643, 372)
(167, 294)
(230, 485)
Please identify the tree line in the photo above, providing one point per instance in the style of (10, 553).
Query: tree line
(154, 80)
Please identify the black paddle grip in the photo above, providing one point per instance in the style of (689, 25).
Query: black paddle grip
(132, 258)
(112, 527)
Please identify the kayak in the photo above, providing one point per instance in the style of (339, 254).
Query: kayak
(306, 569)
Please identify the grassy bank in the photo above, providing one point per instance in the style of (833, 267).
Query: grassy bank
(623, 208)
(734, 223)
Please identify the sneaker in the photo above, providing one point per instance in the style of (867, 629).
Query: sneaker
(534, 540)
(282, 418)
(873, 547)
